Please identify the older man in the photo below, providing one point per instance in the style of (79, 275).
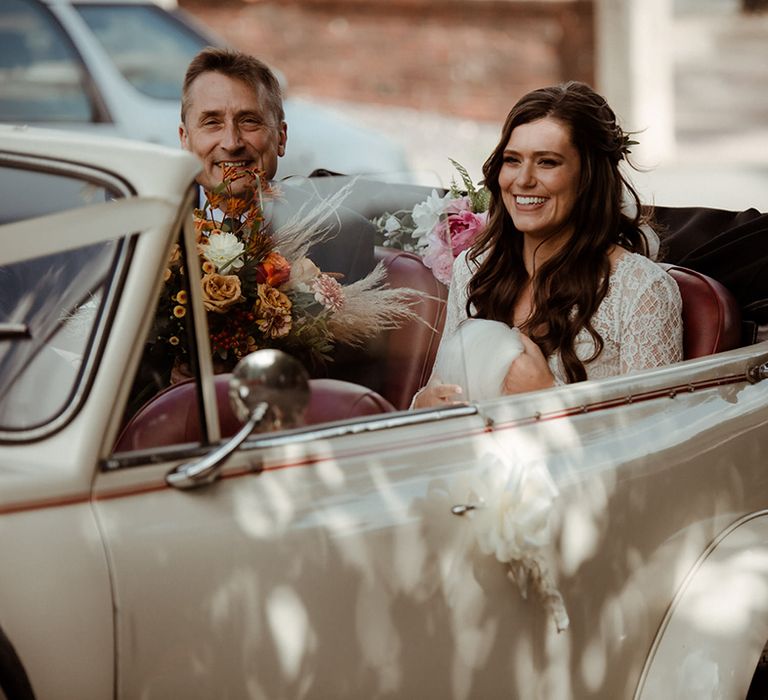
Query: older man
(232, 115)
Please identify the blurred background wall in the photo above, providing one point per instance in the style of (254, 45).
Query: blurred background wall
(441, 75)
(469, 58)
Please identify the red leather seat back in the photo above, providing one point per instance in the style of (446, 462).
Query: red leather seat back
(711, 314)
(410, 349)
(171, 417)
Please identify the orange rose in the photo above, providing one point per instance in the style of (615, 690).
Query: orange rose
(274, 270)
(220, 292)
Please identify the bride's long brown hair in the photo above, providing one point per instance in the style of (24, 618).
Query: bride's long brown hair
(568, 288)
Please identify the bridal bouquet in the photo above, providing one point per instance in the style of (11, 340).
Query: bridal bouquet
(440, 227)
(260, 289)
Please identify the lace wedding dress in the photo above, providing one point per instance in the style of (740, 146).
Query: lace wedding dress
(639, 321)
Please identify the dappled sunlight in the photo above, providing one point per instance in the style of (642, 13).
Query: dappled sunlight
(330, 473)
(349, 575)
(745, 576)
(378, 638)
(593, 663)
(289, 624)
(581, 537)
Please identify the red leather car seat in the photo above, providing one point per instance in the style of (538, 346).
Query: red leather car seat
(171, 417)
(409, 350)
(711, 314)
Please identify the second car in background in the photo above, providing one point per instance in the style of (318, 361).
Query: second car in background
(116, 67)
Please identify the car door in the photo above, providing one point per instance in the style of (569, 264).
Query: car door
(324, 559)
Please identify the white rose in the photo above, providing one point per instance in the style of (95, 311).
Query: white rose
(426, 215)
(224, 250)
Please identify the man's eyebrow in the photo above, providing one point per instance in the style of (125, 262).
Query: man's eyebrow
(218, 113)
(210, 113)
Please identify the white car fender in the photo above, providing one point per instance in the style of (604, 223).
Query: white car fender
(710, 640)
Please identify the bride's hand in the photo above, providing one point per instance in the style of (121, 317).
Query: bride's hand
(434, 395)
(529, 371)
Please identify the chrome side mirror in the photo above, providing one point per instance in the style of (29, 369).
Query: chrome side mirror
(269, 390)
(273, 378)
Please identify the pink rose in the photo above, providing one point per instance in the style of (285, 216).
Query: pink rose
(438, 256)
(464, 227)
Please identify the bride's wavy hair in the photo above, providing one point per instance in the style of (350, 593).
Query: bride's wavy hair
(569, 287)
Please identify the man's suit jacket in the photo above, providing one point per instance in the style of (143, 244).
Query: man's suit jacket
(350, 248)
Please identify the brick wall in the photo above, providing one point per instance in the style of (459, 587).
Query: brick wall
(469, 58)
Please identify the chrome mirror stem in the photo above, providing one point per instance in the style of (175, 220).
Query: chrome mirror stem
(193, 474)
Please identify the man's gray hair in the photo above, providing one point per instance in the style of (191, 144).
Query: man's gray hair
(239, 65)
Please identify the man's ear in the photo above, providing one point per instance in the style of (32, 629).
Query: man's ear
(183, 137)
(282, 138)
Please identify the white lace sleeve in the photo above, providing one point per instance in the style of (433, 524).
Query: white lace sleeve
(456, 306)
(456, 312)
(652, 326)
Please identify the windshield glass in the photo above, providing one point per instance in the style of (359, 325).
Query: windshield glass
(315, 274)
(150, 48)
(50, 305)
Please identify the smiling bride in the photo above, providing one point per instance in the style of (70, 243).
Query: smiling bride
(559, 287)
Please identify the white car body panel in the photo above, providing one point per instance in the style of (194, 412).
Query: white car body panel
(718, 622)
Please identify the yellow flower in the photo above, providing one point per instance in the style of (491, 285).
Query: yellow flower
(179, 311)
(173, 340)
(208, 268)
(181, 296)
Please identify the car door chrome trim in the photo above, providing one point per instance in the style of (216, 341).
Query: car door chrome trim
(291, 437)
(400, 419)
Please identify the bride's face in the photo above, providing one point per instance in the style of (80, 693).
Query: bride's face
(539, 178)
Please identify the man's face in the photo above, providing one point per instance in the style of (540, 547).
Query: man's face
(227, 124)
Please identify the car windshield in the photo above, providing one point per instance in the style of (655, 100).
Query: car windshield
(367, 348)
(50, 305)
(149, 47)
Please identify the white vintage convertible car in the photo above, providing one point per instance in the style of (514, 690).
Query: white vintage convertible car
(607, 539)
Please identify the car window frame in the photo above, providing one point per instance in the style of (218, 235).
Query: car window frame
(202, 370)
(117, 274)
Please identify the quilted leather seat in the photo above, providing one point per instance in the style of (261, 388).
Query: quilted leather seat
(172, 418)
(711, 314)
